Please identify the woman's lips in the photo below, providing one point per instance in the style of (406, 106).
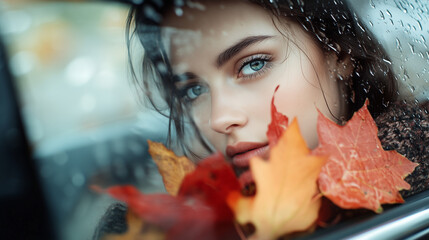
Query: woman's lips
(244, 151)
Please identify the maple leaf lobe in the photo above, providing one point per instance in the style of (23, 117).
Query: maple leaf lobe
(172, 168)
(359, 173)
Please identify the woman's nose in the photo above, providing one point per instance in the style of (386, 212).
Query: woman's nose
(227, 113)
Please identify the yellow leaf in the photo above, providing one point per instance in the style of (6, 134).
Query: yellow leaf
(171, 167)
(286, 199)
(137, 230)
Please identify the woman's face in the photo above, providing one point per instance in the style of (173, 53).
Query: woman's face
(230, 56)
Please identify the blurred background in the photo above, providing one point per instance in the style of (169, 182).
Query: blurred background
(83, 118)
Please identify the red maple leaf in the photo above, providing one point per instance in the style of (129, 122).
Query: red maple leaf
(359, 173)
(211, 182)
(278, 125)
(199, 211)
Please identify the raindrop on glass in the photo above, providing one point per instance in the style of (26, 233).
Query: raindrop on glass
(78, 179)
(162, 68)
(387, 61)
(178, 11)
(420, 25)
(389, 13)
(398, 44)
(382, 15)
(411, 48)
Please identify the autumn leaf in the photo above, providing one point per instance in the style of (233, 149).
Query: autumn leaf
(171, 167)
(211, 182)
(358, 172)
(199, 211)
(278, 124)
(285, 201)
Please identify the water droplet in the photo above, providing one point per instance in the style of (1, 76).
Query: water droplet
(387, 61)
(366, 89)
(178, 11)
(81, 70)
(360, 26)
(371, 3)
(385, 103)
(162, 68)
(389, 13)
(382, 15)
(420, 25)
(78, 179)
(398, 44)
(411, 48)
(406, 76)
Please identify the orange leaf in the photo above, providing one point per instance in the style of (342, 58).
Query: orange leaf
(359, 173)
(285, 200)
(171, 167)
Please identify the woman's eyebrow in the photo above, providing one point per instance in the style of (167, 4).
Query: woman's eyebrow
(238, 47)
(180, 78)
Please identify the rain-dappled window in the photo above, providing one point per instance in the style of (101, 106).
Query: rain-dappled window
(401, 27)
(95, 81)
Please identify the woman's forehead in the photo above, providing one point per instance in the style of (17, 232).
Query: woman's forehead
(213, 26)
(211, 15)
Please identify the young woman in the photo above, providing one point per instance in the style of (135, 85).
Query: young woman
(216, 65)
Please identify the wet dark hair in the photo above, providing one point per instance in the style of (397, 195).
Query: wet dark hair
(330, 22)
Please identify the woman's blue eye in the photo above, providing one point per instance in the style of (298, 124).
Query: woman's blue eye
(195, 91)
(253, 66)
